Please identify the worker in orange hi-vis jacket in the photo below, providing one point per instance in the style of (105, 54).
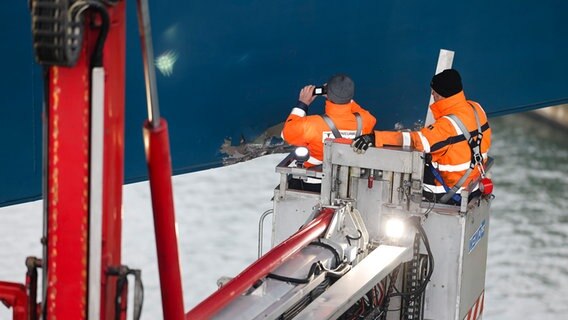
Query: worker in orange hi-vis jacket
(310, 131)
(343, 118)
(454, 158)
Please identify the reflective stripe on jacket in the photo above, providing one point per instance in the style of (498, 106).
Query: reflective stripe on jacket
(311, 131)
(444, 140)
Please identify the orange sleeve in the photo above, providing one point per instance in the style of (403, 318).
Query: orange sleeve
(369, 120)
(389, 138)
(436, 137)
(418, 140)
(293, 131)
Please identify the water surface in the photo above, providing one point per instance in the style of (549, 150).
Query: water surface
(527, 273)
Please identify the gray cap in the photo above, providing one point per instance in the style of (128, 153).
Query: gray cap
(340, 89)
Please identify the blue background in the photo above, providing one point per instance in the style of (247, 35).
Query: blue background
(241, 64)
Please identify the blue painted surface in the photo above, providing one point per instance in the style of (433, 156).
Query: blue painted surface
(20, 109)
(240, 65)
(476, 237)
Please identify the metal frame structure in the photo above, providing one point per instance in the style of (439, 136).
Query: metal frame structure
(331, 249)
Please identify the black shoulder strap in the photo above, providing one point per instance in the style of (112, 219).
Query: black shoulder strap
(331, 125)
(336, 132)
(359, 123)
(475, 148)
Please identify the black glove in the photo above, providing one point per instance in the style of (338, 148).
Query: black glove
(362, 143)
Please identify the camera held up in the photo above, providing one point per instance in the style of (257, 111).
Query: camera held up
(320, 91)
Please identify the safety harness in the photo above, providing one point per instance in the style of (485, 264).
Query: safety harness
(476, 158)
(336, 132)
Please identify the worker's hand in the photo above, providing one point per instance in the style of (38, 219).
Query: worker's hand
(307, 94)
(362, 143)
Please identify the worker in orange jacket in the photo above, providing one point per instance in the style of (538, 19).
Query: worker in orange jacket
(454, 159)
(310, 131)
(343, 117)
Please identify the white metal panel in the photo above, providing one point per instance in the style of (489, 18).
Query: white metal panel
(291, 212)
(460, 260)
(474, 254)
(445, 61)
(274, 297)
(369, 203)
(387, 159)
(96, 192)
(348, 289)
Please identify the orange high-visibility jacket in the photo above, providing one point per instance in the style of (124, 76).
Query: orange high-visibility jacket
(311, 131)
(444, 140)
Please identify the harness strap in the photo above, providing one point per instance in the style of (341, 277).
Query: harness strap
(359, 123)
(476, 156)
(332, 126)
(436, 173)
(336, 132)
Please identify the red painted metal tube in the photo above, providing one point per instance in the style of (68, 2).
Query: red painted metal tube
(262, 267)
(114, 56)
(157, 147)
(67, 198)
(14, 296)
